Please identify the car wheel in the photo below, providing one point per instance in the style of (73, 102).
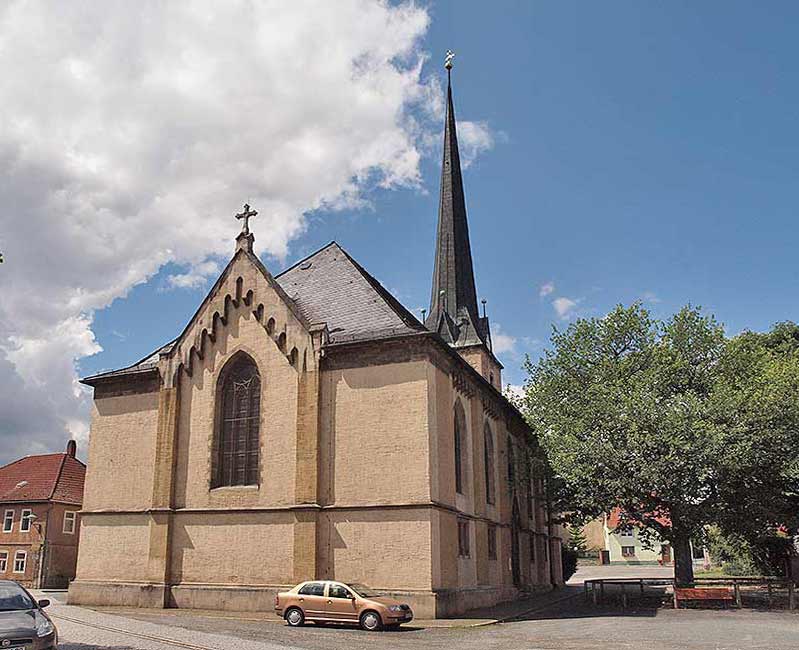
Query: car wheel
(370, 621)
(295, 617)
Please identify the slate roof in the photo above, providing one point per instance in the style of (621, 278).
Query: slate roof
(330, 287)
(47, 477)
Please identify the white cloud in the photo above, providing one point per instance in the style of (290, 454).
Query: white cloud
(545, 289)
(501, 341)
(131, 133)
(514, 392)
(650, 297)
(564, 306)
(198, 276)
(474, 138)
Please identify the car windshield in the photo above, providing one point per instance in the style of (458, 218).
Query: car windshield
(362, 591)
(14, 598)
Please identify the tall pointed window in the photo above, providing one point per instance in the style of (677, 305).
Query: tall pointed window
(488, 451)
(237, 439)
(511, 466)
(460, 445)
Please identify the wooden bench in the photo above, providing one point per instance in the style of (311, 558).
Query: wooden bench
(707, 593)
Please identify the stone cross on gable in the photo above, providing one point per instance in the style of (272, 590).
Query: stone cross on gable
(246, 214)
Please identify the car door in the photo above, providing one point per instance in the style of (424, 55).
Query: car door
(341, 604)
(311, 598)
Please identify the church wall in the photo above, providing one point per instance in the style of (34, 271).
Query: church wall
(374, 434)
(218, 548)
(121, 452)
(479, 359)
(387, 549)
(197, 406)
(114, 546)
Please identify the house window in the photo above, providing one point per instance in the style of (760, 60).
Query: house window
(69, 522)
(3, 561)
(488, 452)
(492, 542)
(626, 532)
(463, 538)
(8, 521)
(628, 551)
(20, 560)
(25, 521)
(460, 432)
(237, 440)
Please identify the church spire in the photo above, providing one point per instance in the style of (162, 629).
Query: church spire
(453, 301)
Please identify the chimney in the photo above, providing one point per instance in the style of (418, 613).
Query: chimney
(72, 448)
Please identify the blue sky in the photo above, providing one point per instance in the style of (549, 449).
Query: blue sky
(642, 151)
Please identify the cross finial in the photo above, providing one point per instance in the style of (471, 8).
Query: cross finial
(448, 59)
(246, 214)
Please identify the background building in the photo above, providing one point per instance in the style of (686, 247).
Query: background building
(40, 500)
(626, 545)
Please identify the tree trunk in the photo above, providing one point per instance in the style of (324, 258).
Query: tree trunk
(683, 561)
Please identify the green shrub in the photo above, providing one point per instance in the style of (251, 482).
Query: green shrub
(569, 561)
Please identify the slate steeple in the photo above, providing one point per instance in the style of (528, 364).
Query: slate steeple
(453, 301)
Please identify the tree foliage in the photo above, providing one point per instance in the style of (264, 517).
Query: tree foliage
(671, 422)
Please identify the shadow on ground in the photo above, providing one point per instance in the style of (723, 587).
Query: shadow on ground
(638, 606)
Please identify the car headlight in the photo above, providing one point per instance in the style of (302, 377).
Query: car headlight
(394, 608)
(44, 627)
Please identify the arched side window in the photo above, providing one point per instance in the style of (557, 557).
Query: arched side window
(237, 435)
(488, 452)
(460, 445)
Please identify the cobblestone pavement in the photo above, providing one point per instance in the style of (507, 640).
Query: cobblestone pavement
(566, 626)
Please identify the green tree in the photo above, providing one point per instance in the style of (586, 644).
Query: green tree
(756, 412)
(577, 541)
(639, 414)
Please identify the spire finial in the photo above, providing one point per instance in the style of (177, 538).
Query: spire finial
(448, 59)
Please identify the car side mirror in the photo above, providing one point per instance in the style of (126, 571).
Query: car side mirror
(44, 603)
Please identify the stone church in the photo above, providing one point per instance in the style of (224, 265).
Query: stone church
(307, 425)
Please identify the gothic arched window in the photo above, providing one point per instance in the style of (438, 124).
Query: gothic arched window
(460, 435)
(237, 436)
(488, 449)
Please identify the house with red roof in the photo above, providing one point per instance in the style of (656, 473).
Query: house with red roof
(40, 501)
(625, 544)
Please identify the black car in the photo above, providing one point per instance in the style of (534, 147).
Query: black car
(23, 623)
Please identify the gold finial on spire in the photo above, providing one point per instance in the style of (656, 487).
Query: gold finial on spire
(448, 59)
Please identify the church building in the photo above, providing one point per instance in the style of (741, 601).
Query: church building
(306, 425)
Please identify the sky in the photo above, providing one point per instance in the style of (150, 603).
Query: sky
(616, 151)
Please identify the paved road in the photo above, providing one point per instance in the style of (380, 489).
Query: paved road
(575, 626)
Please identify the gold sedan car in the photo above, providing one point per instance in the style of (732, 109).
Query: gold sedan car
(326, 601)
